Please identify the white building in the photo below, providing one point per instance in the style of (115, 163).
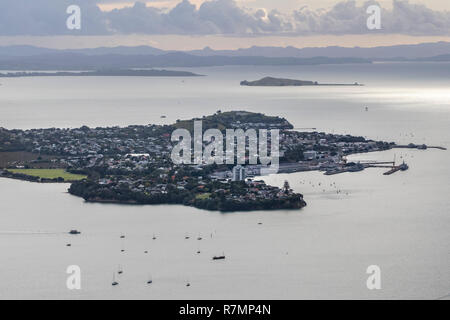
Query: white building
(310, 155)
(239, 173)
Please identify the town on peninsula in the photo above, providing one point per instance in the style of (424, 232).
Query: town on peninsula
(133, 164)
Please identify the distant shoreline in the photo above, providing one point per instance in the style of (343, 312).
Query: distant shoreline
(103, 73)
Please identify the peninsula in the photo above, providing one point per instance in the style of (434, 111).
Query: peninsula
(133, 165)
(103, 73)
(278, 82)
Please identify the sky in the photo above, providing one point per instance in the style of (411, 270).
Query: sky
(223, 24)
(281, 5)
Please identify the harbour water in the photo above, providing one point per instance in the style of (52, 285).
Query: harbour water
(354, 220)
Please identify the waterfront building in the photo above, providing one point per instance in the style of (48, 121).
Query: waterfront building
(310, 155)
(239, 173)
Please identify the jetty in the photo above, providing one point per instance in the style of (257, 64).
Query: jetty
(369, 164)
(402, 167)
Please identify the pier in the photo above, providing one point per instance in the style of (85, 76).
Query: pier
(369, 164)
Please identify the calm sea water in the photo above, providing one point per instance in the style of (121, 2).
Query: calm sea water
(400, 222)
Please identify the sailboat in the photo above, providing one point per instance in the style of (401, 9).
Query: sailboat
(120, 270)
(222, 257)
(154, 237)
(150, 281)
(114, 283)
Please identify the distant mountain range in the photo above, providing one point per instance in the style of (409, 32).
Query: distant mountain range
(78, 61)
(36, 58)
(423, 50)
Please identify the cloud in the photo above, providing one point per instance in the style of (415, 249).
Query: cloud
(348, 18)
(47, 17)
(212, 17)
(417, 19)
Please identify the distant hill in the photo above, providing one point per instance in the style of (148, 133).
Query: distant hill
(236, 119)
(269, 82)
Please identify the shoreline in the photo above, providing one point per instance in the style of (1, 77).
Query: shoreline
(134, 203)
(114, 165)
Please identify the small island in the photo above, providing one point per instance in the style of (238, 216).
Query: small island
(103, 73)
(279, 82)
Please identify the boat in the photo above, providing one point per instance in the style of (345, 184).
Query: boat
(219, 257)
(114, 283)
(404, 166)
(74, 232)
(335, 171)
(356, 168)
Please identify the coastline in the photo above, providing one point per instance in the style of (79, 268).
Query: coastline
(301, 205)
(133, 165)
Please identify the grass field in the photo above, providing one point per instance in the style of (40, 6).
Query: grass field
(49, 174)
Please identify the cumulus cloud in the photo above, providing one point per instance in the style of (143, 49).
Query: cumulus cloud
(349, 18)
(212, 17)
(38, 17)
